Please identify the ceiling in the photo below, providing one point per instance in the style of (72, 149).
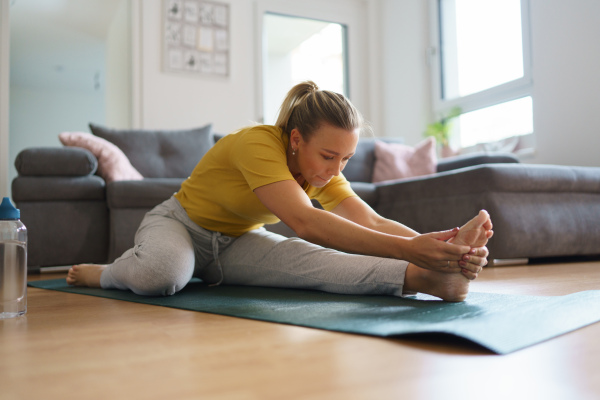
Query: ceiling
(59, 43)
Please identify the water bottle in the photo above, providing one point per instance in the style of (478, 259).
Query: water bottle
(13, 262)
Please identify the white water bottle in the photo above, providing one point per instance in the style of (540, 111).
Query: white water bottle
(13, 262)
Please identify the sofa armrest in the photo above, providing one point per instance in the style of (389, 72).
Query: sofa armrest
(469, 160)
(58, 188)
(56, 161)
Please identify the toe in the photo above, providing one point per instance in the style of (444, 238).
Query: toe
(469, 274)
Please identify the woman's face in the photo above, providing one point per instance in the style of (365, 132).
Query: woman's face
(324, 155)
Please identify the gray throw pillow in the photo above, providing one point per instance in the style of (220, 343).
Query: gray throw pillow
(160, 153)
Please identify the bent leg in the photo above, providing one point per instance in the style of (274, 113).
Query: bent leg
(263, 258)
(161, 261)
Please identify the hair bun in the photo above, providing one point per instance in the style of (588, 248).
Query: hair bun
(306, 107)
(311, 86)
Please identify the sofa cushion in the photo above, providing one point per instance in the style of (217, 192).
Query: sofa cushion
(399, 161)
(160, 153)
(141, 194)
(55, 161)
(113, 164)
(360, 166)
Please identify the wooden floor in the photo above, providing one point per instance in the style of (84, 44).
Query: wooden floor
(81, 347)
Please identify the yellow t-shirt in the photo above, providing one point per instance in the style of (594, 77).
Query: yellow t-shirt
(219, 195)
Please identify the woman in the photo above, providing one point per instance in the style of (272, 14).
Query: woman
(213, 227)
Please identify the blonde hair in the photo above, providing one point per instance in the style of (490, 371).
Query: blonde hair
(306, 108)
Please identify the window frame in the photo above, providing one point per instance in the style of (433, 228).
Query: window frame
(513, 90)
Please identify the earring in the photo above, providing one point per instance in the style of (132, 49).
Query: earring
(293, 151)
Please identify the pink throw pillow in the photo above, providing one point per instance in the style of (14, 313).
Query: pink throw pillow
(113, 164)
(398, 161)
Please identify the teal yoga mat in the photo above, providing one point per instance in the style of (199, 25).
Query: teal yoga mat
(501, 323)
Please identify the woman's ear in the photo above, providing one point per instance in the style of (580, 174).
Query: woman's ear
(295, 138)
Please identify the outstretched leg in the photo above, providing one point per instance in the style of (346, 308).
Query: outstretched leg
(263, 258)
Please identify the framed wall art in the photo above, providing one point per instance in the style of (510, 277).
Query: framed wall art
(196, 37)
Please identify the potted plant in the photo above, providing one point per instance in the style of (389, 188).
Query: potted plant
(441, 131)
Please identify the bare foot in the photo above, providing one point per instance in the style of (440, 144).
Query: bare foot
(452, 286)
(85, 275)
(476, 232)
(447, 286)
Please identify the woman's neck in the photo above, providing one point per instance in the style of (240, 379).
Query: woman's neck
(300, 179)
(292, 163)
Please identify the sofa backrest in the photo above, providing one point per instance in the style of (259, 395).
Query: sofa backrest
(360, 167)
(160, 153)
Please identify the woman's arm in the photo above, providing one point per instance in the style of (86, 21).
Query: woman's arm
(355, 209)
(288, 202)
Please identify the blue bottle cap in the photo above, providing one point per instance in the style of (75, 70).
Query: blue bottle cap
(8, 211)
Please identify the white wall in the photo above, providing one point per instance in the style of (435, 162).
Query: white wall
(172, 101)
(566, 79)
(118, 69)
(406, 78)
(565, 67)
(166, 100)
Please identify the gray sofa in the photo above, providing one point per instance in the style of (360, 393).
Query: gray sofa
(73, 216)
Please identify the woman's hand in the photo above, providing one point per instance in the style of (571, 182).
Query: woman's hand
(431, 251)
(475, 233)
(474, 261)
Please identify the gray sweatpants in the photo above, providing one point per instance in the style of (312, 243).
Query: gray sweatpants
(170, 249)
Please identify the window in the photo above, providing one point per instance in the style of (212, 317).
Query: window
(298, 49)
(482, 65)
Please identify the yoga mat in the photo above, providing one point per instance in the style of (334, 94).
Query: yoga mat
(499, 322)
